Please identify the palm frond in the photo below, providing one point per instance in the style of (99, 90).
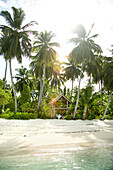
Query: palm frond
(7, 17)
(32, 23)
(18, 17)
(54, 44)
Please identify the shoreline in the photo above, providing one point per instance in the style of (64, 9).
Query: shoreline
(19, 137)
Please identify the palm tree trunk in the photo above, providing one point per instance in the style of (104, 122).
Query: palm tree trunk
(50, 87)
(42, 88)
(78, 92)
(13, 86)
(72, 88)
(3, 107)
(107, 106)
(85, 111)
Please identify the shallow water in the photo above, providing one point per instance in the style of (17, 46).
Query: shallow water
(83, 158)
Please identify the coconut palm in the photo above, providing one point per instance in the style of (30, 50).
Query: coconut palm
(71, 71)
(4, 36)
(84, 51)
(45, 55)
(108, 81)
(23, 77)
(86, 96)
(56, 78)
(17, 42)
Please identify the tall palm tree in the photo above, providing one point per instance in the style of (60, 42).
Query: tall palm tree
(17, 42)
(4, 35)
(108, 81)
(45, 55)
(84, 51)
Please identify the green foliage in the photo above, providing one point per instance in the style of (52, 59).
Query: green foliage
(26, 107)
(68, 117)
(15, 41)
(25, 115)
(91, 116)
(11, 105)
(45, 115)
(23, 77)
(98, 117)
(19, 115)
(85, 51)
(78, 116)
(45, 111)
(109, 117)
(7, 115)
(4, 97)
(25, 95)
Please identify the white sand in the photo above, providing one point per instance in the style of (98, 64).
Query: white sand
(21, 136)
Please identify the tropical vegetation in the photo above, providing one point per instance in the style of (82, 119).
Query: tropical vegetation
(31, 90)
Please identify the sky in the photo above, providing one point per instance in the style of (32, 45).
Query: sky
(61, 17)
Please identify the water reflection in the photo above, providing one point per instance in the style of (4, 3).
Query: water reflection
(85, 158)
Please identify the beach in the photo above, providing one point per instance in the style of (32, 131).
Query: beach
(35, 136)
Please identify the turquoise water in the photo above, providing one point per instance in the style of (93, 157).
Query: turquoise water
(83, 158)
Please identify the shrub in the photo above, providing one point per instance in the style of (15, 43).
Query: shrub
(78, 116)
(25, 115)
(44, 115)
(19, 115)
(98, 117)
(108, 117)
(7, 115)
(91, 116)
(68, 117)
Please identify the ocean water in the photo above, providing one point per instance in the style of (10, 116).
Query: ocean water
(70, 158)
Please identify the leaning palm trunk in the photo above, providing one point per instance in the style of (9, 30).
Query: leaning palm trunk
(3, 107)
(13, 86)
(41, 90)
(78, 92)
(107, 106)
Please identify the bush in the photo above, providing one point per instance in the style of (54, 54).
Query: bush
(109, 117)
(44, 115)
(68, 117)
(25, 115)
(78, 116)
(5, 115)
(19, 115)
(9, 115)
(98, 117)
(91, 116)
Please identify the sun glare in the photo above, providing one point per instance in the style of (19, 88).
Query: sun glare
(61, 17)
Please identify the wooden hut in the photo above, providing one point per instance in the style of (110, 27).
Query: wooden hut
(59, 105)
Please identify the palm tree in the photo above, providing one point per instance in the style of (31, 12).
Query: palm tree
(56, 78)
(86, 96)
(45, 55)
(23, 77)
(108, 81)
(17, 42)
(4, 35)
(71, 72)
(83, 52)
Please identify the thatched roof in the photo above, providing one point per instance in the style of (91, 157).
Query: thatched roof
(59, 97)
